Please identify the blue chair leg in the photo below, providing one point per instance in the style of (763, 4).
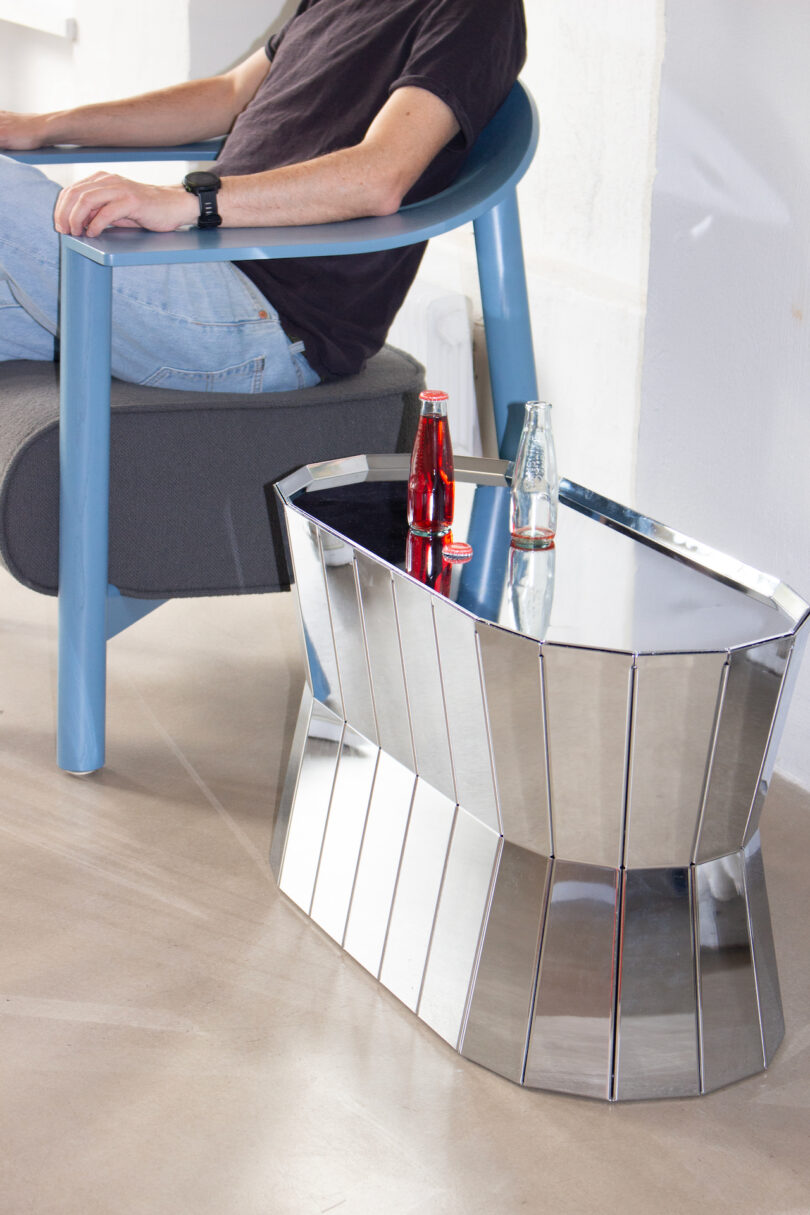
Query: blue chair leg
(84, 445)
(507, 321)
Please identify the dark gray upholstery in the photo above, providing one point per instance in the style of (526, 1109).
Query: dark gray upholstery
(188, 514)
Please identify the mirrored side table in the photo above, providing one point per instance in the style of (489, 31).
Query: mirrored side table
(532, 810)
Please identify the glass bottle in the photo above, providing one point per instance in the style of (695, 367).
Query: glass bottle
(533, 509)
(431, 490)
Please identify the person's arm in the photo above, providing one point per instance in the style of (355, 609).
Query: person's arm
(197, 109)
(370, 178)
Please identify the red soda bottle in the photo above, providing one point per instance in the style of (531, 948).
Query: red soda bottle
(431, 490)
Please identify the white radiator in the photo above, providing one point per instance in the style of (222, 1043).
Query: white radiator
(435, 326)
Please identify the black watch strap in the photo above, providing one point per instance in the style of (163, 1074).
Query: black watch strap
(209, 215)
(205, 185)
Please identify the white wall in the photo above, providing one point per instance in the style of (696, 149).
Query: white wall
(725, 423)
(593, 69)
(117, 53)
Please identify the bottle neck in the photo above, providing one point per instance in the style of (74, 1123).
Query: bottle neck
(538, 413)
(433, 404)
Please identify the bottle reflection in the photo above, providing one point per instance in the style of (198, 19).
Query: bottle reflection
(531, 588)
(424, 559)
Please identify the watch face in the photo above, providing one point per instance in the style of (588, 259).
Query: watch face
(201, 180)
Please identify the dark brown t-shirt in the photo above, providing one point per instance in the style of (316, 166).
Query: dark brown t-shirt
(334, 65)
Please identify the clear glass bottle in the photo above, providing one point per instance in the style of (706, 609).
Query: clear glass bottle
(535, 485)
(431, 488)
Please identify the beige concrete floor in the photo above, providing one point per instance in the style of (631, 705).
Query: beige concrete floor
(178, 1040)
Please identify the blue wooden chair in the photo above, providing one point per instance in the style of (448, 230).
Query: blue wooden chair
(90, 610)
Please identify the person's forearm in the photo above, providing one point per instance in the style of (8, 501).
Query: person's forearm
(342, 185)
(197, 109)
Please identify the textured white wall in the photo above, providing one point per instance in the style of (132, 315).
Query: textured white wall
(725, 424)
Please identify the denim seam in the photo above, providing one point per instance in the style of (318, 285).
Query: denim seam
(254, 368)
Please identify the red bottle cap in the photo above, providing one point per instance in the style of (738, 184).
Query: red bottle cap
(431, 395)
(458, 551)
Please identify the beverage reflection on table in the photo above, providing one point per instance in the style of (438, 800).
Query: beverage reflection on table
(424, 559)
(530, 585)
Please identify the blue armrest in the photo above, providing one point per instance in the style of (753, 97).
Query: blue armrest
(72, 154)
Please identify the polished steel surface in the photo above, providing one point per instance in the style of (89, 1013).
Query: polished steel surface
(537, 823)
(385, 658)
(747, 714)
(571, 1043)
(457, 931)
(286, 803)
(423, 682)
(657, 1039)
(347, 628)
(466, 713)
(588, 707)
(343, 834)
(497, 1029)
(731, 1037)
(777, 727)
(417, 893)
(313, 608)
(378, 864)
(675, 706)
(299, 864)
(767, 977)
(619, 580)
(514, 695)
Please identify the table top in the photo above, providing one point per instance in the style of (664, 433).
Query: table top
(614, 579)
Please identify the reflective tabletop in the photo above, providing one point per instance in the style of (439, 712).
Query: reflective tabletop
(613, 580)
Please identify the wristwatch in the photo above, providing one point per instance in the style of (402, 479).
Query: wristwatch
(205, 186)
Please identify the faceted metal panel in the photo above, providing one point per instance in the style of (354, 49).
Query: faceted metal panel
(657, 1038)
(417, 893)
(747, 713)
(675, 705)
(344, 833)
(313, 608)
(588, 714)
(514, 694)
(378, 866)
(466, 718)
(767, 976)
(497, 1029)
(287, 800)
(785, 696)
(731, 1037)
(424, 685)
(312, 797)
(571, 1044)
(457, 931)
(384, 658)
(350, 644)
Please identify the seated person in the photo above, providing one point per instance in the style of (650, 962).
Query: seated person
(354, 108)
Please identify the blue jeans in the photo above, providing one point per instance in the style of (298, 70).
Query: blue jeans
(202, 327)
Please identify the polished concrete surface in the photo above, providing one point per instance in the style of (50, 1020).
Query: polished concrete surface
(176, 1038)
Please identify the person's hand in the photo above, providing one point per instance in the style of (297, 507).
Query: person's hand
(21, 132)
(106, 200)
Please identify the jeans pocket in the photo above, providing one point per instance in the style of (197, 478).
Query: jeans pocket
(244, 377)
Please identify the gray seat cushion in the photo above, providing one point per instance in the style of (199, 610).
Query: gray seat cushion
(188, 514)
